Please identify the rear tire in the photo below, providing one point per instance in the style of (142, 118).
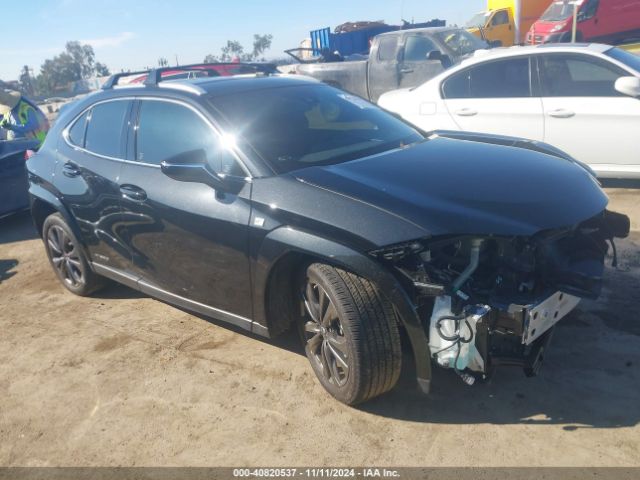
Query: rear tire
(350, 334)
(67, 257)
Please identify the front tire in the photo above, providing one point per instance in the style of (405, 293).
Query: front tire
(350, 334)
(67, 257)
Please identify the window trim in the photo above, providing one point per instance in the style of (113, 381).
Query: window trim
(534, 86)
(216, 131)
(132, 119)
(73, 123)
(65, 132)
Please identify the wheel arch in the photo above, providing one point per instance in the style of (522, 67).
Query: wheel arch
(286, 250)
(45, 203)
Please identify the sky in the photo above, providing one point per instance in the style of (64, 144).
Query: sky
(134, 34)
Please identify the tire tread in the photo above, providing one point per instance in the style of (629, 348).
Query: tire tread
(374, 332)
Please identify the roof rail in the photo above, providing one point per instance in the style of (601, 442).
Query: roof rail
(154, 75)
(112, 81)
(183, 86)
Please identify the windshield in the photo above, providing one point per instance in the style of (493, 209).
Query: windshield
(629, 59)
(461, 42)
(478, 20)
(307, 125)
(558, 11)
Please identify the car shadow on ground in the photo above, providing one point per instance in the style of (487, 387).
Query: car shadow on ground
(17, 227)
(117, 291)
(590, 378)
(289, 340)
(583, 384)
(6, 269)
(589, 381)
(510, 398)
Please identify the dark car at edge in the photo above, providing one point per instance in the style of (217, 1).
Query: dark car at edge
(276, 202)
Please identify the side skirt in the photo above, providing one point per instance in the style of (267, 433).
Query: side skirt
(138, 284)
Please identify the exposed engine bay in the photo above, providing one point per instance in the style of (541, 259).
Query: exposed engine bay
(487, 301)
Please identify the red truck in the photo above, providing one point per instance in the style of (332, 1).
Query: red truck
(605, 21)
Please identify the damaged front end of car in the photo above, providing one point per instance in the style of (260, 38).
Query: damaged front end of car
(487, 301)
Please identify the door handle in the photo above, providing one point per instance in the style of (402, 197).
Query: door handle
(562, 113)
(70, 170)
(134, 193)
(406, 70)
(466, 112)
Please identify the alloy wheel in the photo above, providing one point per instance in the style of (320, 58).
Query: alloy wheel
(324, 336)
(65, 256)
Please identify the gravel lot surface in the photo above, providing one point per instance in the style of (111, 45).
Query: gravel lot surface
(122, 379)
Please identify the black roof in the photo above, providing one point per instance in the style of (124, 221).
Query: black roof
(218, 86)
(194, 88)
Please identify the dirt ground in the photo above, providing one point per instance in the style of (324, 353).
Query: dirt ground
(122, 379)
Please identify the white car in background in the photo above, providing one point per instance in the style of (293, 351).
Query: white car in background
(581, 98)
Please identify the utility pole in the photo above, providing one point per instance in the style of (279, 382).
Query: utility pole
(574, 30)
(517, 10)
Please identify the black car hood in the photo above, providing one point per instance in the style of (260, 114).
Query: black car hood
(473, 186)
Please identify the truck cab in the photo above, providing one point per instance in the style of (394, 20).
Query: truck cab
(506, 22)
(495, 26)
(398, 59)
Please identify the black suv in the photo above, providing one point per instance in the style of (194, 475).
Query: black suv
(271, 202)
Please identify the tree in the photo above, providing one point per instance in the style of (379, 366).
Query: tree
(261, 43)
(234, 50)
(102, 70)
(76, 62)
(231, 51)
(82, 59)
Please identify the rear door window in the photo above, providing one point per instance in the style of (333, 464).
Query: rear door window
(501, 79)
(498, 79)
(387, 48)
(566, 75)
(106, 126)
(457, 86)
(76, 132)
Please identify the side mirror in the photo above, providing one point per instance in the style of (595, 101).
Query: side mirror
(581, 16)
(495, 43)
(434, 55)
(628, 86)
(191, 166)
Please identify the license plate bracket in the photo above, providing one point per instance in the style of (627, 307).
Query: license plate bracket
(541, 317)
